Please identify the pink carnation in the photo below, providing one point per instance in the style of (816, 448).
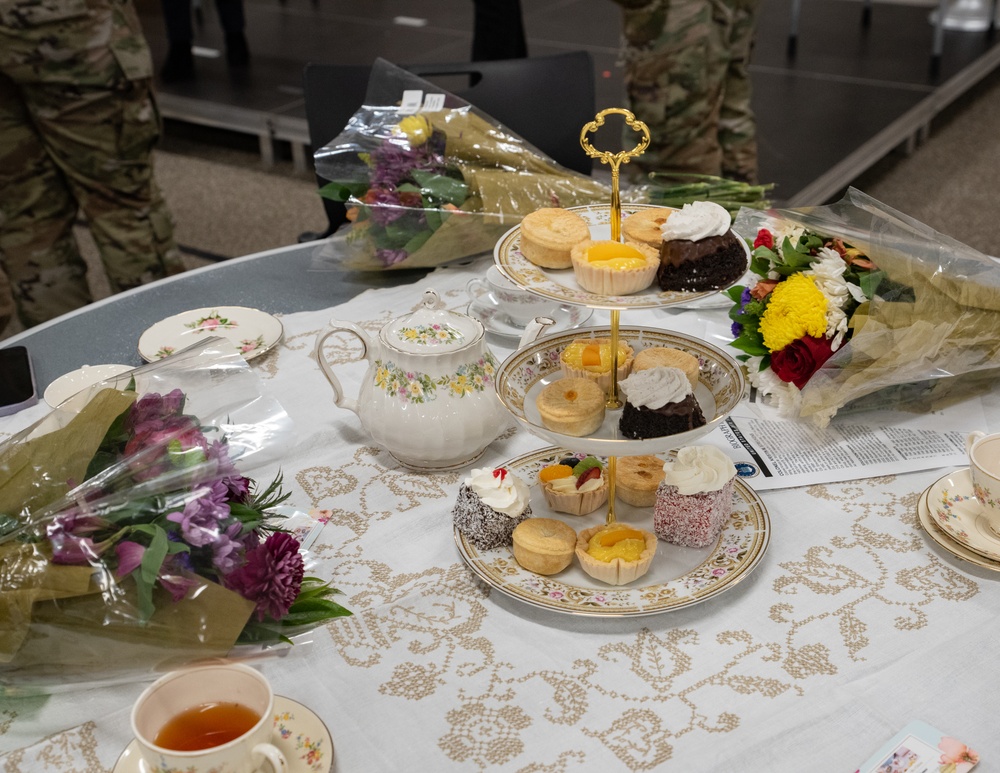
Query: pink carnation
(271, 576)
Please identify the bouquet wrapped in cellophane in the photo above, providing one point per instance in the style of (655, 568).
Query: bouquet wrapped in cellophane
(853, 299)
(131, 540)
(436, 183)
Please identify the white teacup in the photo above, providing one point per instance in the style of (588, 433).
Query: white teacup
(984, 464)
(180, 692)
(518, 305)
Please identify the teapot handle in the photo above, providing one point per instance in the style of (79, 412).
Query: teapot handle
(337, 326)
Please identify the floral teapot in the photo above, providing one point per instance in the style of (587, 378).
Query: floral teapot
(428, 397)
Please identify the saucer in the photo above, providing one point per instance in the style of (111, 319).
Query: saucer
(955, 510)
(957, 549)
(250, 331)
(298, 733)
(69, 384)
(495, 322)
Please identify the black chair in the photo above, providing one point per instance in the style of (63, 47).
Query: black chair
(546, 100)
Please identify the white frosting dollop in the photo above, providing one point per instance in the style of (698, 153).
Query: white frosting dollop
(698, 469)
(500, 489)
(655, 387)
(695, 221)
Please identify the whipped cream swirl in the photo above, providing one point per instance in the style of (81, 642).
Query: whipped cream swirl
(567, 485)
(695, 221)
(699, 469)
(655, 387)
(500, 489)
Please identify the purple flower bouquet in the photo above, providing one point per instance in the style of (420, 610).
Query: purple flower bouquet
(131, 541)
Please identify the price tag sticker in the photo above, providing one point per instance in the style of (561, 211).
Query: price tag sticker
(433, 103)
(411, 101)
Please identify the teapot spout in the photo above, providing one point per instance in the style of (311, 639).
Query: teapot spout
(534, 329)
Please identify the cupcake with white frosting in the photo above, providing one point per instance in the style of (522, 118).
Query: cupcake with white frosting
(491, 502)
(658, 401)
(699, 250)
(695, 498)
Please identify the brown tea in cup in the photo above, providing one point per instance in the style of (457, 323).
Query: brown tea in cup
(205, 726)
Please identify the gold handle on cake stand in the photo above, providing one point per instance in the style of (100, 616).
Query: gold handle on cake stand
(614, 160)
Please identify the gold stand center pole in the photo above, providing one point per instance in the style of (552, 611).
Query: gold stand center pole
(614, 160)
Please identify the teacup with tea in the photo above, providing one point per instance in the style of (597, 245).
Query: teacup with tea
(519, 306)
(206, 719)
(984, 466)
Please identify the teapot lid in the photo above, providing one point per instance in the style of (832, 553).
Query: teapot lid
(431, 331)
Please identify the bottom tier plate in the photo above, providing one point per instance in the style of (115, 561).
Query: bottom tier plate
(679, 577)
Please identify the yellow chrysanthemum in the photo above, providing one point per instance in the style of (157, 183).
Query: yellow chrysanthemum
(416, 128)
(797, 308)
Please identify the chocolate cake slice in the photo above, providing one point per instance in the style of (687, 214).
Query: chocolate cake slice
(711, 263)
(641, 422)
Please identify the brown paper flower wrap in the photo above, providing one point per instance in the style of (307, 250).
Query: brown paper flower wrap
(129, 541)
(933, 338)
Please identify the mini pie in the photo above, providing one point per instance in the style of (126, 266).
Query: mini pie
(591, 358)
(548, 236)
(614, 268)
(644, 226)
(571, 406)
(544, 545)
(665, 357)
(617, 570)
(637, 478)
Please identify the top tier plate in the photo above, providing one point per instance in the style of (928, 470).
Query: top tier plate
(561, 285)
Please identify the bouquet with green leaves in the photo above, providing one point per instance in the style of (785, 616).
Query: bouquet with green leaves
(130, 538)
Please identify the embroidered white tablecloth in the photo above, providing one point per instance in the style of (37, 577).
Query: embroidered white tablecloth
(852, 625)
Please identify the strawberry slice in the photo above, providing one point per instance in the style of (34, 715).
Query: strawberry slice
(593, 472)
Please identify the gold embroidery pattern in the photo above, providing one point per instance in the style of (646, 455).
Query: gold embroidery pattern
(74, 751)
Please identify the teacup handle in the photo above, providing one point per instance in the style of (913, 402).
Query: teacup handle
(970, 441)
(476, 287)
(273, 755)
(337, 326)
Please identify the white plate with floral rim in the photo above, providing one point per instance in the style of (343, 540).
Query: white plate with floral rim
(679, 576)
(525, 373)
(957, 549)
(298, 733)
(251, 331)
(956, 511)
(561, 285)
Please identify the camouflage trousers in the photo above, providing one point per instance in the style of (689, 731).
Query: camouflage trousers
(77, 126)
(686, 78)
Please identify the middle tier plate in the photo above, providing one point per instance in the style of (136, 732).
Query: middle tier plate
(561, 285)
(529, 370)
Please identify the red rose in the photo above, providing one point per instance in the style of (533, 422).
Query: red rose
(800, 359)
(764, 239)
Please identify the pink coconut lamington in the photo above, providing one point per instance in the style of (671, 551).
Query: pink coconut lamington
(695, 499)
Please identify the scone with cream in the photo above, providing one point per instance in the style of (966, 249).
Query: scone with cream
(571, 406)
(615, 553)
(613, 268)
(549, 235)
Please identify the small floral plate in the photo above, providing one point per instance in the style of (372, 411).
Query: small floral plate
(69, 384)
(679, 576)
(251, 331)
(955, 510)
(298, 733)
(957, 549)
(561, 285)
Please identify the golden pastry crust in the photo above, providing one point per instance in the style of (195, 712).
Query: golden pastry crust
(571, 406)
(601, 377)
(544, 545)
(604, 280)
(665, 357)
(549, 235)
(616, 571)
(644, 226)
(575, 503)
(637, 478)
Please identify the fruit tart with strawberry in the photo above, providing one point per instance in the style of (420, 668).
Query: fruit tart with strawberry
(575, 486)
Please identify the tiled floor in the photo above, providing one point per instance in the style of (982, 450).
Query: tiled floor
(849, 96)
